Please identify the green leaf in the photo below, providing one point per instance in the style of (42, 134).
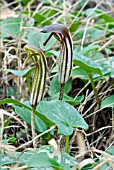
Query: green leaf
(24, 2)
(98, 56)
(80, 34)
(111, 66)
(13, 101)
(88, 49)
(107, 67)
(90, 12)
(20, 72)
(49, 12)
(44, 152)
(10, 27)
(79, 73)
(73, 101)
(55, 86)
(89, 166)
(12, 139)
(55, 69)
(6, 160)
(42, 160)
(80, 4)
(12, 91)
(104, 167)
(105, 16)
(62, 114)
(26, 106)
(86, 64)
(24, 157)
(41, 19)
(26, 115)
(7, 123)
(66, 159)
(37, 39)
(52, 52)
(97, 34)
(44, 168)
(38, 17)
(75, 25)
(108, 102)
(110, 150)
(57, 112)
(34, 37)
(69, 99)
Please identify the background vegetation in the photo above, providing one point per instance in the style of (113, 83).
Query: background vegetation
(85, 116)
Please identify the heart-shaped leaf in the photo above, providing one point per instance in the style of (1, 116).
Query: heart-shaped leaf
(42, 159)
(37, 39)
(26, 115)
(58, 112)
(6, 160)
(108, 102)
(10, 27)
(62, 114)
(26, 106)
(87, 64)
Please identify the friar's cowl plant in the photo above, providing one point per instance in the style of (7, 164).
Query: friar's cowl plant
(37, 56)
(62, 34)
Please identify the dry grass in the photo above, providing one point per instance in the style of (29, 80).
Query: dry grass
(100, 136)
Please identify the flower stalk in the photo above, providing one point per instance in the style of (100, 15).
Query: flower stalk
(62, 34)
(37, 56)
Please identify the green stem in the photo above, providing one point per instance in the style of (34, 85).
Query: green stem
(97, 97)
(33, 126)
(67, 144)
(61, 91)
(94, 89)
